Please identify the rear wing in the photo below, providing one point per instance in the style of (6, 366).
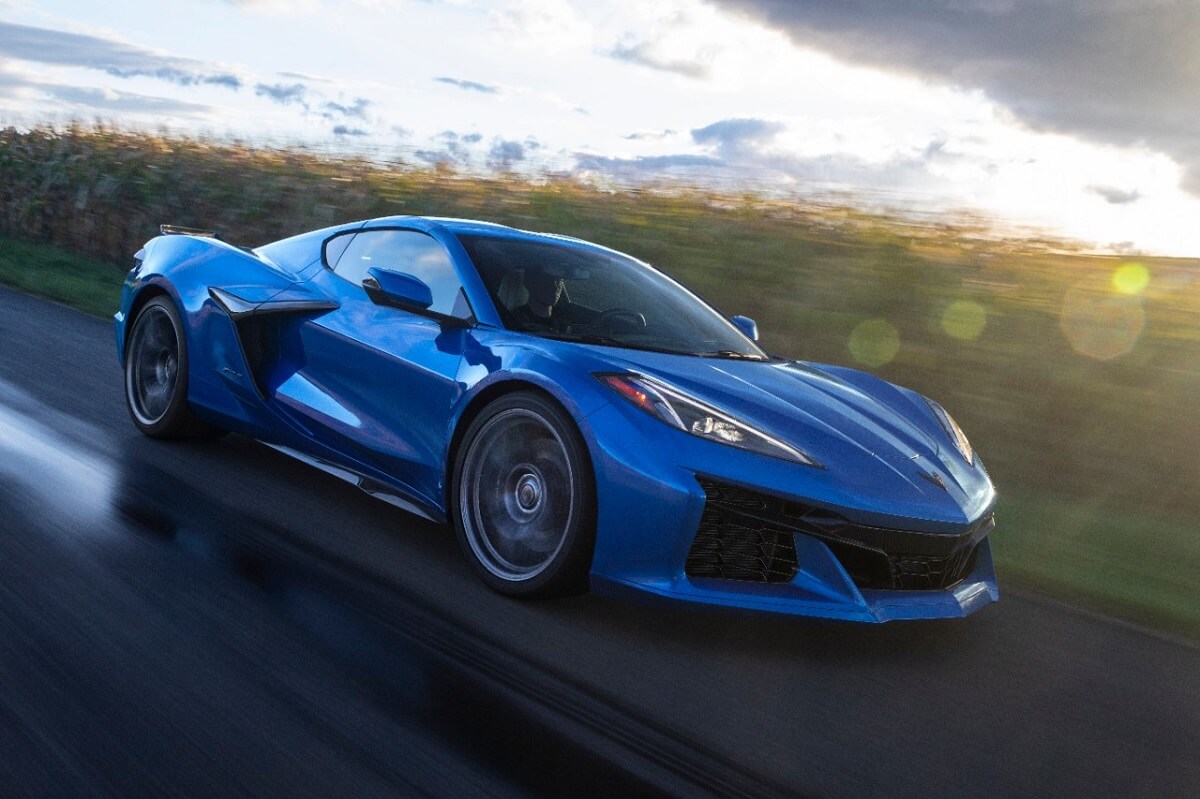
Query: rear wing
(180, 230)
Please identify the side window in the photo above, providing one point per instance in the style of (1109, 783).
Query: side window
(406, 251)
(336, 246)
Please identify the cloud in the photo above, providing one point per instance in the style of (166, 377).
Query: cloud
(100, 100)
(649, 135)
(506, 153)
(302, 76)
(298, 94)
(645, 53)
(547, 27)
(284, 94)
(46, 46)
(743, 152)
(1115, 71)
(357, 109)
(123, 102)
(452, 150)
(436, 157)
(469, 85)
(644, 167)
(733, 137)
(767, 171)
(342, 130)
(1115, 196)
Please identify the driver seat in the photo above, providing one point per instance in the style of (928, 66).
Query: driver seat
(512, 293)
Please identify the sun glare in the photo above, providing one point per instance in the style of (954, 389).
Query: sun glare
(1131, 278)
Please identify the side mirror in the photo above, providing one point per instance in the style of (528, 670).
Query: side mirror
(747, 326)
(397, 289)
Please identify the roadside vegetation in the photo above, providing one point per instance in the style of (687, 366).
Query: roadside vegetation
(1074, 374)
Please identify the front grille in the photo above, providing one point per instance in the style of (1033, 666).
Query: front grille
(729, 550)
(922, 572)
(748, 535)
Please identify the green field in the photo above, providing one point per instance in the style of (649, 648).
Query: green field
(1075, 375)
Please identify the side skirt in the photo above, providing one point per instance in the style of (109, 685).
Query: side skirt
(368, 485)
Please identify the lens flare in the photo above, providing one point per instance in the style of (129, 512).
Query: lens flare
(1101, 325)
(1131, 278)
(874, 342)
(964, 320)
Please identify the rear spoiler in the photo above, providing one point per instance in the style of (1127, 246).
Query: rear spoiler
(180, 230)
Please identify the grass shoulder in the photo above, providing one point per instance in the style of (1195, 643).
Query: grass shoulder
(89, 284)
(1088, 553)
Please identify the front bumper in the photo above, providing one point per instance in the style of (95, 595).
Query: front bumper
(870, 562)
(820, 591)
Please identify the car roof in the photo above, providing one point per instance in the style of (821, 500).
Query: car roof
(469, 226)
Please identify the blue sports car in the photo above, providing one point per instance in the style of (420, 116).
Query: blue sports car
(580, 418)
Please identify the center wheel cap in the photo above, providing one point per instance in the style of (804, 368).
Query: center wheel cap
(529, 493)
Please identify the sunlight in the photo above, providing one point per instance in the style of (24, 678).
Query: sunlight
(1101, 325)
(1131, 278)
(874, 342)
(964, 320)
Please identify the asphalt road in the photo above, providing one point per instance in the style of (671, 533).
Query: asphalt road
(216, 619)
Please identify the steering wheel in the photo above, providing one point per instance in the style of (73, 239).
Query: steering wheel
(634, 318)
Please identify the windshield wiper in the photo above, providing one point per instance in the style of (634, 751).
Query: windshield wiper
(607, 341)
(741, 356)
(584, 338)
(610, 341)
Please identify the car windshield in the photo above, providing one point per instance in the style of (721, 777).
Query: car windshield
(565, 291)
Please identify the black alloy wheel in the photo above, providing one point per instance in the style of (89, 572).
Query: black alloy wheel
(156, 366)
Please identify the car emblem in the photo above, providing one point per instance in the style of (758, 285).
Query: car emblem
(935, 479)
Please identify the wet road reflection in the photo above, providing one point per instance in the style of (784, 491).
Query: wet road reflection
(404, 656)
(64, 476)
(209, 572)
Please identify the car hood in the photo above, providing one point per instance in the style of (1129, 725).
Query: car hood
(865, 431)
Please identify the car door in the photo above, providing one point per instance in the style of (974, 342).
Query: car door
(378, 382)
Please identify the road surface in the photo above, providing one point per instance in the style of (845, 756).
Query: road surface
(217, 619)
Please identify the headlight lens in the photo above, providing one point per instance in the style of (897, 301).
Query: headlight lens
(953, 430)
(692, 416)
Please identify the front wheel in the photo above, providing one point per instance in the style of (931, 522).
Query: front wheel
(156, 367)
(523, 498)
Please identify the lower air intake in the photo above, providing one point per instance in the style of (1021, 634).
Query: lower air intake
(733, 550)
(748, 535)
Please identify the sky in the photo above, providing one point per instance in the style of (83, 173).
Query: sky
(1077, 117)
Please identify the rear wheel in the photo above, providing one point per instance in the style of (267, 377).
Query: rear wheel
(523, 498)
(156, 368)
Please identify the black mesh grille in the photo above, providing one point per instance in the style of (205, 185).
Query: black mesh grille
(919, 572)
(748, 535)
(727, 549)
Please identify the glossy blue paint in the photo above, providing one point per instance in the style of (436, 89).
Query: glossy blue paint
(747, 325)
(283, 349)
(402, 290)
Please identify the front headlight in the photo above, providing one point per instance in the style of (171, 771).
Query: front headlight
(693, 416)
(953, 430)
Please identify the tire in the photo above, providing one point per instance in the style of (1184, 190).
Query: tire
(156, 370)
(523, 498)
